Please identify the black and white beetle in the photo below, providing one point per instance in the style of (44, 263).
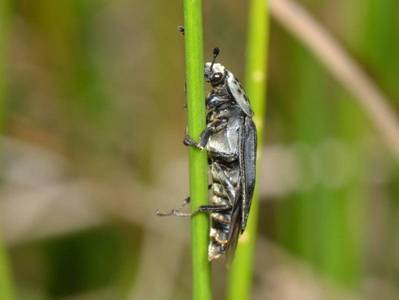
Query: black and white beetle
(230, 140)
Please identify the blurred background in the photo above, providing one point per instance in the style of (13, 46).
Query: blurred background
(92, 94)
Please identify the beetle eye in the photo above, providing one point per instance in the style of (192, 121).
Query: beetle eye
(217, 77)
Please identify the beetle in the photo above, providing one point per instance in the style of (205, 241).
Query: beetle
(230, 141)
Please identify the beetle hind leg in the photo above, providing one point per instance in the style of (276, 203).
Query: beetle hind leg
(203, 208)
(176, 211)
(212, 208)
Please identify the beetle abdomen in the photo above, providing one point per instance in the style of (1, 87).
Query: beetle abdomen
(220, 231)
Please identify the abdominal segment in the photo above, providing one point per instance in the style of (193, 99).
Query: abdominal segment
(221, 222)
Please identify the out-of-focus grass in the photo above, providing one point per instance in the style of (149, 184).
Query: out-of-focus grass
(378, 46)
(241, 273)
(89, 260)
(73, 60)
(323, 222)
(378, 42)
(318, 224)
(4, 27)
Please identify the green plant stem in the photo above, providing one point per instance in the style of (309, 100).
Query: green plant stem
(6, 286)
(198, 162)
(240, 277)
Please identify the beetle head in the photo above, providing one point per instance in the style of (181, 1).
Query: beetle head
(214, 73)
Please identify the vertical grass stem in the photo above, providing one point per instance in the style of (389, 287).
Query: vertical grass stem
(197, 160)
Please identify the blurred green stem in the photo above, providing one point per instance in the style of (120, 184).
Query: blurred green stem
(6, 287)
(240, 277)
(198, 162)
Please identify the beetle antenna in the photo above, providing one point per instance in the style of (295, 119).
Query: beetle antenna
(216, 52)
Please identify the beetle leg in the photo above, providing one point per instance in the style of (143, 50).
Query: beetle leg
(175, 211)
(203, 208)
(212, 127)
(212, 208)
(188, 141)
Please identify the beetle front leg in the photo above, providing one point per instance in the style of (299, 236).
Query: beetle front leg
(189, 141)
(212, 127)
